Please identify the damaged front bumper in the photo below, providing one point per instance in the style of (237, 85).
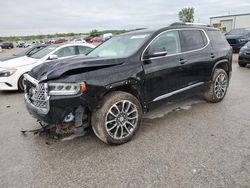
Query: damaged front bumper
(52, 109)
(53, 114)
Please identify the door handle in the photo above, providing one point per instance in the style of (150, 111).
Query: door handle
(182, 61)
(212, 56)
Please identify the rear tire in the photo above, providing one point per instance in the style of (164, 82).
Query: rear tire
(218, 87)
(118, 119)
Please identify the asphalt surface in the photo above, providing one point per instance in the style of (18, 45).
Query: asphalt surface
(187, 144)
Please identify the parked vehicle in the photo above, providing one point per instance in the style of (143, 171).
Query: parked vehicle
(80, 40)
(244, 55)
(20, 44)
(107, 36)
(129, 75)
(11, 71)
(88, 38)
(7, 45)
(25, 52)
(237, 38)
(1, 49)
(51, 41)
(28, 44)
(97, 39)
(59, 41)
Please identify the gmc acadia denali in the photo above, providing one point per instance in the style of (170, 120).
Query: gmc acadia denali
(126, 76)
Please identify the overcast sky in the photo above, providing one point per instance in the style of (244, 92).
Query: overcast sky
(25, 17)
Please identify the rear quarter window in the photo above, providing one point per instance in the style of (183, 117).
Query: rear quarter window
(192, 40)
(217, 38)
(84, 49)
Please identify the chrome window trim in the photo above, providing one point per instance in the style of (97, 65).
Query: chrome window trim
(177, 91)
(208, 42)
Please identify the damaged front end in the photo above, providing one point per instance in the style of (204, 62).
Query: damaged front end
(57, 106)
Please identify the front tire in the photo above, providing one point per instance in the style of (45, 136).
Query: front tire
(218, 87)
(242, 64)
(118, 119)
(21, 83)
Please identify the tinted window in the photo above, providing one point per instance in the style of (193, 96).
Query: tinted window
(120, 46)
(23, 52)
(168, 41)
(192, 40)
(33, 51)
(44, 52)
(240, 31)
(217, 38)
(66, 51)
(84, 49)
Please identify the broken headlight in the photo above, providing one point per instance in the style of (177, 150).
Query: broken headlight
(64, 88)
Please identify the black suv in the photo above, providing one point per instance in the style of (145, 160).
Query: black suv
(238, 38)
(126, 76)
(244, 55)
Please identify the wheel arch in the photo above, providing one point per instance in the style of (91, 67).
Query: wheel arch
(129, 86)
(222, 64)
(18, 80)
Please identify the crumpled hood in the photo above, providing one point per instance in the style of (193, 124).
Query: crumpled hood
(18, 62)
(55, 69)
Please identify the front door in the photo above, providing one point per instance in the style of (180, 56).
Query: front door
(163, 75)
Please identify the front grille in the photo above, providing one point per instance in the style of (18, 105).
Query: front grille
(37, 95)
(232, 41)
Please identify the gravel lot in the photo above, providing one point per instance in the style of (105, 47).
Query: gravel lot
(188, 144)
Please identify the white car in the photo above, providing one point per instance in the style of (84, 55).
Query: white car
(79, 40)
(11, 71)
(107, 36)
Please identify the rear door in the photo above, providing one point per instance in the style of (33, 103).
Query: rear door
(66, 52)
(197, 55)
(163, 75)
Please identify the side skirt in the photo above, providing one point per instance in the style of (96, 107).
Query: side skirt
(177, 91)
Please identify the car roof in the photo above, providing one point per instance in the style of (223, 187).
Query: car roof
(161, 29)
(39, 45)
(71, 44)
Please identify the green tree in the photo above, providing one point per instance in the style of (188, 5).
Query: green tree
(187, 14)
(94, 32)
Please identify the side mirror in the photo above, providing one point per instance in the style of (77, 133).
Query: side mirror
(148, 54)
(52, 57)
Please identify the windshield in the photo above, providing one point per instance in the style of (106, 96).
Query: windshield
(239, 32)
(247, 44)
(45, 51)
(23, 52)
(120, 46)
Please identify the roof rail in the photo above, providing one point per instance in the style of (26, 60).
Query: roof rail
(189, 24)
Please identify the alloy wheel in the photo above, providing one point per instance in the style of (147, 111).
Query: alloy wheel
(220, 87)
(121, 119)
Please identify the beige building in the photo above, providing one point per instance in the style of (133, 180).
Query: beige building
(229, 22)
